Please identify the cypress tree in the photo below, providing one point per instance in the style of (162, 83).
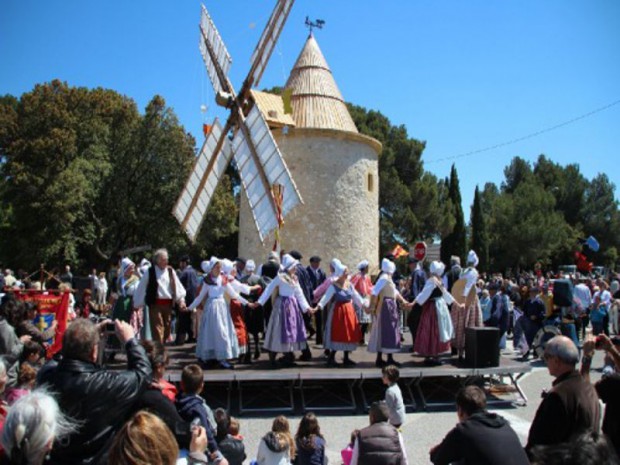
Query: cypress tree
(455, 243)
(479, 232)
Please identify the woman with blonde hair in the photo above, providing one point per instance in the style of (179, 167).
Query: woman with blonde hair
(146, 440)
(277, 447)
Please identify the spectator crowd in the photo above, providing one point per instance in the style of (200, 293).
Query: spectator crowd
(72, 410)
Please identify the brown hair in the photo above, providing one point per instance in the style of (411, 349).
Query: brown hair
(307, 430)
(234, 427)
(144, 440)
(281, 427)
(192, 379)
(391, 372)
(471, 399)
(27, 375)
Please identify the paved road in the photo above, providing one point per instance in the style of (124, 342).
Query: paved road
(422, 430)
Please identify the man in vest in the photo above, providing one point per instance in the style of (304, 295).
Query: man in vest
(380, 443)
(160, 288)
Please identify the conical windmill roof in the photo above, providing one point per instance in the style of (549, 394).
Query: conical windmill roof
(315, 98)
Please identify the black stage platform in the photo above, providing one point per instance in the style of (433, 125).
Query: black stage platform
(314, 386)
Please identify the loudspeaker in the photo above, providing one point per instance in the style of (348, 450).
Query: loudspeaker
(562, 293)
(482, 347)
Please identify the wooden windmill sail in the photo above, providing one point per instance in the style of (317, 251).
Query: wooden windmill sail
(261, 166)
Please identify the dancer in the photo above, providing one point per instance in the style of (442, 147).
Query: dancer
(342, 331)
(464, 291)
(385, 331)
(229, 271)
(363, 285)
(254, 317)
(286, 331)
(217, 340)
(435, 330)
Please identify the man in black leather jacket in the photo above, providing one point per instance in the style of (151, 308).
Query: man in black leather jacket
(100, 400)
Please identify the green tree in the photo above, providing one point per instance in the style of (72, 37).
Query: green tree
(479, 232)
(87, 175)
(455, 243)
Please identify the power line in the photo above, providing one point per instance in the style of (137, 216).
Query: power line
(529, 136)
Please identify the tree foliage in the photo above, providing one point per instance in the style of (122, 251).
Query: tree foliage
(479, 232)
(455, 242)
(541, 211)
(86, 175)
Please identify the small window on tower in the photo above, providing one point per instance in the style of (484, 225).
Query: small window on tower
(371, 182)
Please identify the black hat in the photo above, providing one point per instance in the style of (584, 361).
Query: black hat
(315, 258)
(295, 254)
(241, 259)
(412, 260)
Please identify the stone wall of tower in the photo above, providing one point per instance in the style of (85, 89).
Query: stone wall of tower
(337, 174)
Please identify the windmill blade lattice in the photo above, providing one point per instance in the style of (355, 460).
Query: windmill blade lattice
(271, 163)
(268, 40)
(191, 207)
(218, 56)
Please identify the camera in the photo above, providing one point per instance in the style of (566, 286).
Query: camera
(109, 326)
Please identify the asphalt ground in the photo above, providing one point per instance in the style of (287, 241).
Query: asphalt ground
(422, 429)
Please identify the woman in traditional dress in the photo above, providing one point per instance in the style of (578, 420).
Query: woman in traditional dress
(236, 308)
(286, 331)
(385, 331)
(217, 340)
(123, 308)
(363, 285)
(471, 314)
(435, 330)
(342, 329)
(320, 291)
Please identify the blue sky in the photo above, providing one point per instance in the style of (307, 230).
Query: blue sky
(460, 75)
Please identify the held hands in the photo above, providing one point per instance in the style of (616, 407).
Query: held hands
(182, 306)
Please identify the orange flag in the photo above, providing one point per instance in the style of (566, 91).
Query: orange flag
(398, 251)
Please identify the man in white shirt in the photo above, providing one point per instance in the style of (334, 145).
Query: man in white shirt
(160, 288)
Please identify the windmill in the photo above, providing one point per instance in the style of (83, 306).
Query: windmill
(266, 180)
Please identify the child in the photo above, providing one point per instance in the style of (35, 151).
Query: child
(25, 382)
(277, 447)
(158, 356)
(101, 289)
(309, 441)
(393, 396)
(234, 429)
(193, 407)
(347, 452)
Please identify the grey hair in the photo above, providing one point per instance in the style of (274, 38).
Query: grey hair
(158, 254)
(32, 424)
(564, 349)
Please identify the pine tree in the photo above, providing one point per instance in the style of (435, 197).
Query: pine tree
(479, 232)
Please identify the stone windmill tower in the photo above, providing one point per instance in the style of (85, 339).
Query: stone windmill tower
(334, 166)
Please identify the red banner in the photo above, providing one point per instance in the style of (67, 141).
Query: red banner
(51, 305)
